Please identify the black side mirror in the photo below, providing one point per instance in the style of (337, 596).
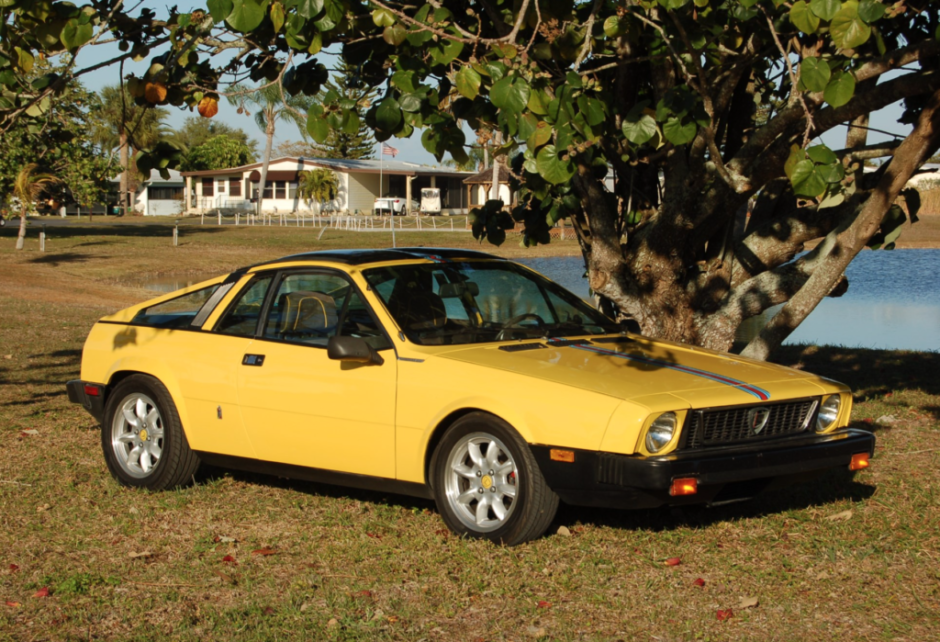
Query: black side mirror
(353, 349)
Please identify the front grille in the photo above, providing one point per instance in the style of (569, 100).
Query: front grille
(724, 426)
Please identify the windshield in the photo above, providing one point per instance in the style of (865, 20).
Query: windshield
(481, 301)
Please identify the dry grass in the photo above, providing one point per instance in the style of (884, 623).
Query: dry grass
(840, 559)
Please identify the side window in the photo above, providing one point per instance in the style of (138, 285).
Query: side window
(358, 322)
(175, 313)
(241, 320)
(306, 308)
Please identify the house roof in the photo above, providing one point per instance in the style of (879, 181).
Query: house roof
(486, 176)
(356, 166)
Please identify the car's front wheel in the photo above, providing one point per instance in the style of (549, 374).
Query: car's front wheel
(142, 437)
(487, 484)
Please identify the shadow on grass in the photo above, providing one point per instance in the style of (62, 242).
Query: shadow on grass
(55, 260)
(164, 230)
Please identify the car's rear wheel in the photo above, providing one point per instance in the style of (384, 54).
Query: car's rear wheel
(487, 484)
(142, 436)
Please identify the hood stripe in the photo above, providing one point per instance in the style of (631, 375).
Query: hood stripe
(760, 393)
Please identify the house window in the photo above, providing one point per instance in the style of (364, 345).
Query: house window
(292, 190)
(280, 189)
(165, 193)
(235, 187)
(221, 187)
(207, 185)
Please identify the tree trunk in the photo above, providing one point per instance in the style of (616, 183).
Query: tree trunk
(125, 176)
(842, 245)
(21, 237)
(269, 130)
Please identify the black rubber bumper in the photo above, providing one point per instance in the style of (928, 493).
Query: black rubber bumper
(723, 474)
(94, 404)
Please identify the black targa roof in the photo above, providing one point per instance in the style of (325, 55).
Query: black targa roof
(361, 257)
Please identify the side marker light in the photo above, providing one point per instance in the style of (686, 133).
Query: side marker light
(562, 455)
(92, 391)
(684, 486)
(859, 461)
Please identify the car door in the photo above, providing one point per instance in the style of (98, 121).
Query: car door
(301, 407)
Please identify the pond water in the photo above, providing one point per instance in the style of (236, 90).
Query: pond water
(893, 302)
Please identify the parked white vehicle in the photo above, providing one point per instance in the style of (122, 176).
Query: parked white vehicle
(431, 201)
(392, 205)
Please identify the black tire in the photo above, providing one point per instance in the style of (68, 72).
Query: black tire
(528, 512)
(175, 464)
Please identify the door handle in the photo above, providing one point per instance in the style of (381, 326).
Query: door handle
(253, 360)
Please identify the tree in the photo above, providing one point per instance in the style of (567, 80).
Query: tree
(198, 131)
(318, 185)
(120, 123)
(269, 100)
(220, 152)
(657, 100)
(354, 139)
(29, 184)
(297, 149)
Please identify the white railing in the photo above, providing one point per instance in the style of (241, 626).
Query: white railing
(352, 223)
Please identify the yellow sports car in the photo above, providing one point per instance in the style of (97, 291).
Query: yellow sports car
(446, 374)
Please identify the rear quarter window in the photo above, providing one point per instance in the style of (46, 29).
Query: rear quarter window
(175, 313)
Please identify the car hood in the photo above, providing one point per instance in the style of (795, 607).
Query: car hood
(637, 367)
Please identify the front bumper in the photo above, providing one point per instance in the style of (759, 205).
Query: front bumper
(723, 474)
(94, 404)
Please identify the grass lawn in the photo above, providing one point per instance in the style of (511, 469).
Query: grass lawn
(240, 556)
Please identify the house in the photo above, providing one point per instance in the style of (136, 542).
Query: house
(155, 196)
(479, 187)
(237, 188)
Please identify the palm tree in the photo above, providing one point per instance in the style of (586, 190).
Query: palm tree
(271, 107)
(127, 126)
(28, 185)
(318, 185)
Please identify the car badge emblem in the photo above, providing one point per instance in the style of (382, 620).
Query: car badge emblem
(757, 419)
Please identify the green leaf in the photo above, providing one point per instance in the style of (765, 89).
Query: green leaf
(639, 127)
(678, 133)
(527, 125)
(797, 155)
(802, 18)
(537, 103)
(871, 10)
(383, 18)
(351, 123)
(825, 9)
(333, 14)
(613, 27)
(592, 109)
(24, 59)
(848, 30)
(277, 16)
(219, 9)
(541, 135)
(840, 89)
(806, 180)
(246, 15)
(317, 126)
(395, 34)
(410, 102)
(552, 168)
(511, 94)
(822, 154)
(74, 34)
(388, 115)
(814, 74)
(468, 82)
(446, 51)
(308, 8)
(832, 172)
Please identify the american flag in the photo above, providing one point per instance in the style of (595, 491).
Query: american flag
(388, 150)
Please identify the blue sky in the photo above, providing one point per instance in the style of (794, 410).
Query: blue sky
(410, 149)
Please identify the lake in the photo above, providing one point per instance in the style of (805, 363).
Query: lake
(893, 301)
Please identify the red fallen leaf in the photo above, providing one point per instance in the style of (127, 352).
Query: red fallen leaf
(673, 561)
(268, 610)
(228, 559)
(363, 593)
(216, 539)
(544, 605)
(43, 592)
(264, 552)
(374, 536)
(724, 614)
(889, 394)
(13, 604)
(868, 420)
(443, 532)
(14, 568)
(698, 582)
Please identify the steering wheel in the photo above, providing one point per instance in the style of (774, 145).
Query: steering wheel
(515, 321)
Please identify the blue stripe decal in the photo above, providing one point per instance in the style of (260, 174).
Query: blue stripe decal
(760, 393)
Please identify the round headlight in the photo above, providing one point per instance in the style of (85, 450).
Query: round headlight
(661, 431)
(828, 412)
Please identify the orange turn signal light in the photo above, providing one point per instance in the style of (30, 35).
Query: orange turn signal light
(859, 461)
(684, 486)
(557, 454)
